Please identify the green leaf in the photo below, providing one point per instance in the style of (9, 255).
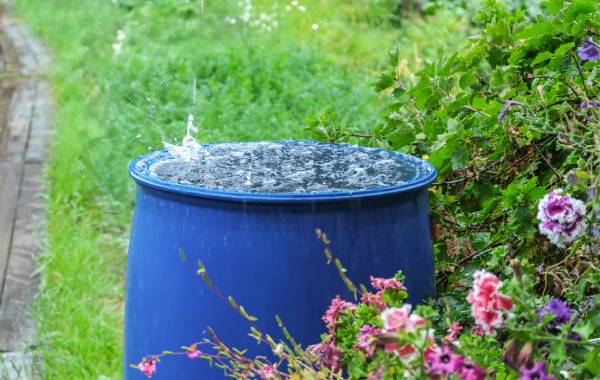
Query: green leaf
(579, 7)
(516, 56)
(584, 329)
(553, 6)
(564, 49)
(539, 29)
(467, 79)
(542, 57)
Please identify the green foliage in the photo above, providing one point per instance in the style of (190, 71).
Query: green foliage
(493, 170)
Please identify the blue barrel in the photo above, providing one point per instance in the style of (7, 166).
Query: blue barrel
(262, 250)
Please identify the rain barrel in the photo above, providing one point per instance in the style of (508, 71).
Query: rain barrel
(261, 249)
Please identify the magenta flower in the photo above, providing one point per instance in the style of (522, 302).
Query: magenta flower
(589, 50)
(367, 340)
(537, 372)
(337, 308)
(470, 371)
(489, 307)
(268, 372)
(193, 353)
(561, 218)
(147, 367)
(443, 362)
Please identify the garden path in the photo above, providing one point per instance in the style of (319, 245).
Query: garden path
(25, 131)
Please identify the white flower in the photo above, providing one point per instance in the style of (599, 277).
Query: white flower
(315, 27)
(562, 218)
(301, 8)
(294, 3)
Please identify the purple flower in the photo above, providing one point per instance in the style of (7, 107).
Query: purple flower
(595, 233)
(443, 362)
(589, 51)
(507, 105)
(590, 104)
(559, 310)
(561, 218)
(591, 193)
(537, 372)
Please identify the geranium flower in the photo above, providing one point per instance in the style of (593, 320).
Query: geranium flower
(488, 306)
(561, 218)
(589, 51)
(147, 367)
(537, 372)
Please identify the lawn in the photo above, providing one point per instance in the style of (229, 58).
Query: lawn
(115, 103)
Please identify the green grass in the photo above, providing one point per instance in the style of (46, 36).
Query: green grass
(250, 85)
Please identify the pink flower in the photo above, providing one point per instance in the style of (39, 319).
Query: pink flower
(147, 367)
(373, 300)
(268, 372)
(488, 306)
(443, 361)
(375, 375)
(396, 318)
(401, 320)
(367, 340)
(385, 284)
(561, 218)
(470, 371)
(193, 353)
(453, 332)
(335, 310)
(328, 355)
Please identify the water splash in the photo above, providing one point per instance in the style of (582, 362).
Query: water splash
(189, 150)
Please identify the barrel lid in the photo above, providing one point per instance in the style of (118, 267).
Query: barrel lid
(140, 171)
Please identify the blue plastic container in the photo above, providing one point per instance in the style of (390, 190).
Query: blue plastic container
(262, 250)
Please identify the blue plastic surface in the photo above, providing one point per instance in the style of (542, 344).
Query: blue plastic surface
(262, 250)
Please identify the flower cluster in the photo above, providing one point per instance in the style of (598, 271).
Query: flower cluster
(383, 286)
(561, 218)
(442, 361)
(328, 355)
(337, 308)
(489, 307)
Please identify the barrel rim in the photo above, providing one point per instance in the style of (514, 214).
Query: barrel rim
(146, 180)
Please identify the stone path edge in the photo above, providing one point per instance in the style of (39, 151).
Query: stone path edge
(25, 135)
